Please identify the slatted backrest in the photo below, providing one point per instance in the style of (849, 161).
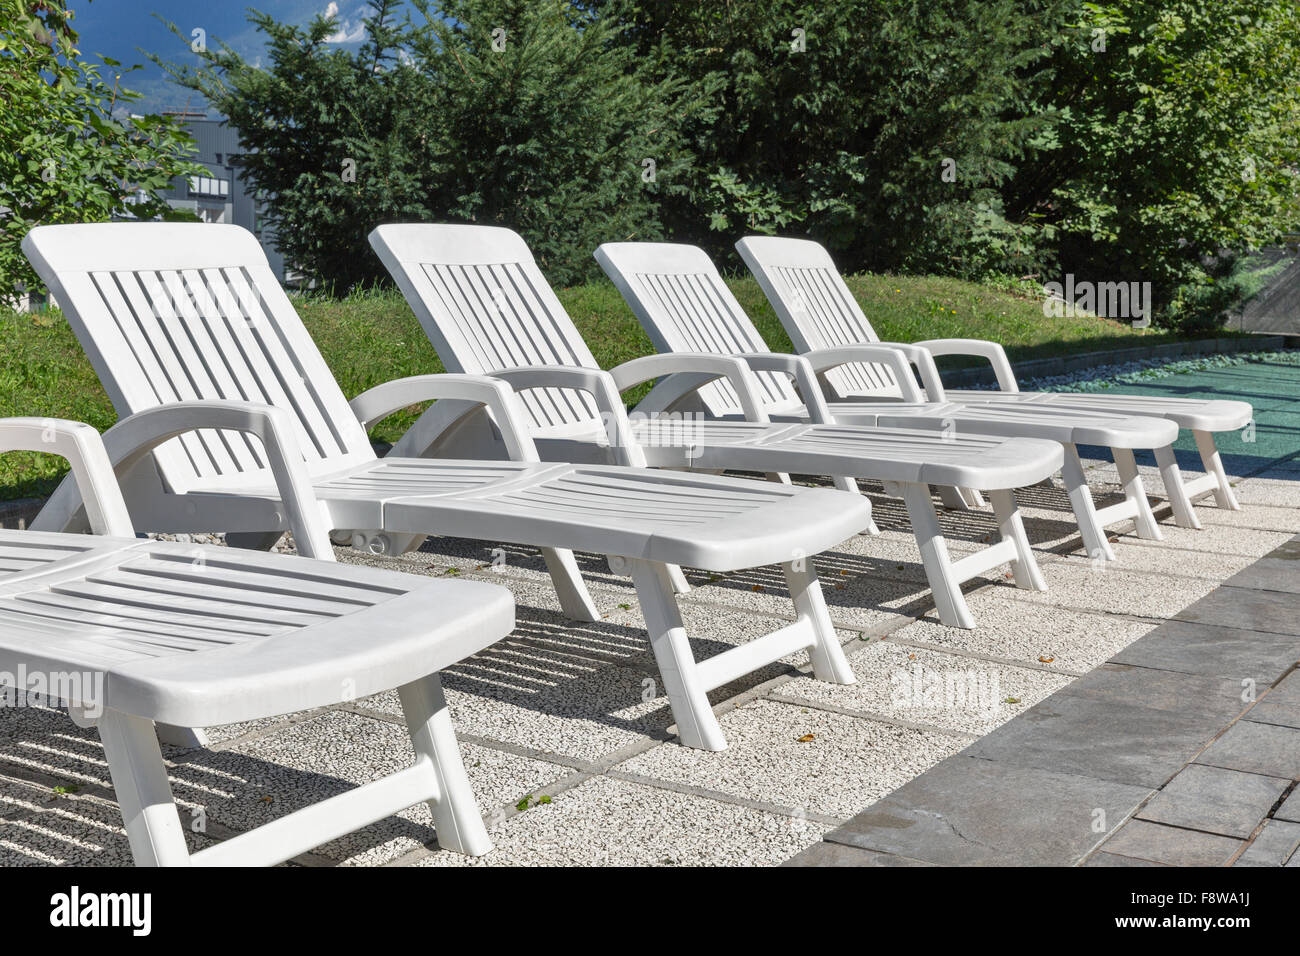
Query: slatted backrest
(171, 312)
(681, 301)
(816, 307)
(486, 306)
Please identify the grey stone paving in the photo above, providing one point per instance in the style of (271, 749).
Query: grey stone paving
(1183, 749)
(571, 755)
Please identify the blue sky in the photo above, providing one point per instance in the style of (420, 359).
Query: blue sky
(122, 28)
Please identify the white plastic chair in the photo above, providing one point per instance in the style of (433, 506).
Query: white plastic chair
(488, 309)
(136, 633)
(231, 421)
(819, 312)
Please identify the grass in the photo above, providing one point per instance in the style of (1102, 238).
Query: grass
(372, 337)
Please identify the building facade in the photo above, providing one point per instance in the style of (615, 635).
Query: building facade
(221, 196)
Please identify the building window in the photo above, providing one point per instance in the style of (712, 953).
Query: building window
(209, 186)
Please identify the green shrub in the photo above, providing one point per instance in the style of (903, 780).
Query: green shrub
(507, 112)
(67, 152)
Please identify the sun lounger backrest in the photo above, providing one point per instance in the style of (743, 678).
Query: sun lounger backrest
(684, 306)
(171, 312)
(486, 306)
(816, 307)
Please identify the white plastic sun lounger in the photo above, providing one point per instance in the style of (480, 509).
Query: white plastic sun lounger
(819, 313)
(683, 304)
(231, 421)
(487, 308)
(130, 632)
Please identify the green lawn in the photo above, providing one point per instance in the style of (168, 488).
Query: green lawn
(371, 338)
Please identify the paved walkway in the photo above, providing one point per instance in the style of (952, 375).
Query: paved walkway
(570, 714)
(1183, 749)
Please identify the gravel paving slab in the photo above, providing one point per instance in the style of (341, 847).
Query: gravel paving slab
(1165, 558)
(1273, 488)
(567, 709)
(530, 589)
(857, 603)
(1249, 542)
(263, 779)
(42, 828)
(1020, 632)
(918, 686)
(849, 762)
(608, 822)
(1264, 517)
(712, 633)
(1092, 587)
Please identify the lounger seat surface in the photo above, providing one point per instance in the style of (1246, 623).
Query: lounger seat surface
(696, 520)
(276, 634)
(1213, 415)
(1010, 419)
(891, 454)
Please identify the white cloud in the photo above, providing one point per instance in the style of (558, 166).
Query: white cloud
(347, 32)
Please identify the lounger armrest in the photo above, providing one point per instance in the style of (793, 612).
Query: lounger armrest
(983, 348)
(896, 360)
(597, 383)
(805, 381)
(381, 401)
(91, 470)
(135, 437)
(686, 372)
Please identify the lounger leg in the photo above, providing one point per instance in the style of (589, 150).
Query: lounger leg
(144, 794)
(575, 600)
(188, 737)
(948, 599)
(1085, 512)
(1136, 493)
(456, 816)
(696, 724)
(951, 498)
(1184, 514)
(1025, 568)
(1223, 496)
(678, 577)
(960, 499)
(828, 660)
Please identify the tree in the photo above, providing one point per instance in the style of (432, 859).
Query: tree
(1181, 147)
(68, 151)
(885, 129)
(524, 114)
